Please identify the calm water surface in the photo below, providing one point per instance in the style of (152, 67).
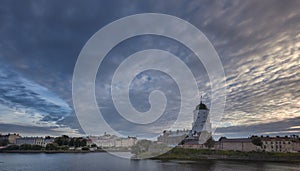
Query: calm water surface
(104, 161)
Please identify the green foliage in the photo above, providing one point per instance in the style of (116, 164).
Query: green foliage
(77, 142)
(25, 147)
(4, 142)
(94, 146)
(71, 143)
(83, 142)
(36, 147)
(85, 148)
(52, 146)
(194, 154)
(65, 147)
(257, 141)
(63, 140)
(12, 147)
(209, 143)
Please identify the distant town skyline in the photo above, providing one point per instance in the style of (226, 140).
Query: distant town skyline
(258, 43)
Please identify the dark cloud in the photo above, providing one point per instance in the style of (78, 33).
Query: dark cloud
(286, 127)
(258, 43)
(26, 100)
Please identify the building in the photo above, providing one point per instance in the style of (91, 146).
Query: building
(10, 138)
(34, 141)
(201, 121)
(296, 145)
(193, 145)
(201, 126)
(280, 144)
(126, 142)
(200, 132)
(236, 144)
(108, 140)
(173, 138)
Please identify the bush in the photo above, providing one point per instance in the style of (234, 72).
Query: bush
(64, 147)
(257, 141)
(94, 145)
(4, 142)
(85, 148)
(25, 147)
(12, 147)
(52, 146)
(36, 147)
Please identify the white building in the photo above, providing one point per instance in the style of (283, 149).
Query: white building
(200, 133)
(108, 140)
(34, 141)
(201, 121)
(173, 138)
(201, 127)
(10, 138)
(126, 142)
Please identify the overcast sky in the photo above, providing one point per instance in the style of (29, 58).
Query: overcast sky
(258, 43)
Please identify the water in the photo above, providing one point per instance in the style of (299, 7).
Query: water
(104, 161)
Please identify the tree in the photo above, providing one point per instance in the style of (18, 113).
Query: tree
(25, 147)
(52, 146)
(12, 147)
(36, 147)
(4, 142)
(222, 138)
(210, 143)
(71, 143)
(63, 140)
(85, 148)
(83, 143)
(58, 141)
(257, 141)
(94, 146)
(77, 142)
(64, 147)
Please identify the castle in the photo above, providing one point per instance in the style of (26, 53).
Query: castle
(200, 132)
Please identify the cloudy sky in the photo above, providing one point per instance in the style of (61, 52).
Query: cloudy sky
(258, 43)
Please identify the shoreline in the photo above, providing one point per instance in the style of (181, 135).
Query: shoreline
(200, 154)
(222, 158)
(190, 155)
(51, 151)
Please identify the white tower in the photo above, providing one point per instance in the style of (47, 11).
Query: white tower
(201, 120)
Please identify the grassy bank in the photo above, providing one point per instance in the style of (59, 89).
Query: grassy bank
(197, 154)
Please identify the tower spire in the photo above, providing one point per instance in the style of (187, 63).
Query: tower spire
(201, 99)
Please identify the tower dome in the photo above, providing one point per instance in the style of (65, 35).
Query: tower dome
(201, 106)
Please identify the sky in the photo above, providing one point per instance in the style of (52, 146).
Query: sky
(258, 43)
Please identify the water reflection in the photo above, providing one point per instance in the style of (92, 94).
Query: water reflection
(105, 161)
